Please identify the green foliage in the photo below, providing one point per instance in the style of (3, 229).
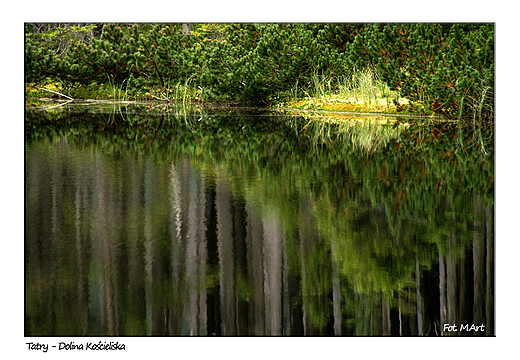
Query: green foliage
(143, 55)
(434, 66)
(265, 61)
(238, 61)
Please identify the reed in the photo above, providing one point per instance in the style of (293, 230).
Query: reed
(321, 88)
(478, 114)
(459, 122)
(116, 90)
(355, 86)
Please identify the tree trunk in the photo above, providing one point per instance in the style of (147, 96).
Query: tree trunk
(273, 273)
(479, 266)
(148, 245)
(336, 290)
(442, 293)
(226, 258)
(256, 268)
(420, 301)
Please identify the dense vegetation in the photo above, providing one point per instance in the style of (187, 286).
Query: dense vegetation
(440, 68)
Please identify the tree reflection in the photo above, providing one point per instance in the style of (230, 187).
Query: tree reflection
(259, 239)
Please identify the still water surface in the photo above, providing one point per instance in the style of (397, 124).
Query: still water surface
(244, 225)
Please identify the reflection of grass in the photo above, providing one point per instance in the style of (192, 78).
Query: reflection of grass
(363, 136)
(369, 137)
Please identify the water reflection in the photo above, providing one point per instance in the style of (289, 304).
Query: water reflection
(129, 243)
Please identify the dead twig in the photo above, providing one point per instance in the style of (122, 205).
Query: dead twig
(161, 99)
(57, 93)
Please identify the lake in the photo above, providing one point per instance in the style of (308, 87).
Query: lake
(235, 222)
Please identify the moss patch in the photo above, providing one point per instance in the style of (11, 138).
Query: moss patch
(338, 104)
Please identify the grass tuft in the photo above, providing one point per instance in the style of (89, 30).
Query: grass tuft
(358, 91)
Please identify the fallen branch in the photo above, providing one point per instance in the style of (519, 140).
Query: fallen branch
(57, 93)
(157, 98)
(55, 106)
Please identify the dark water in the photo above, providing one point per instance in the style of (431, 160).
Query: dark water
(255, 225)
